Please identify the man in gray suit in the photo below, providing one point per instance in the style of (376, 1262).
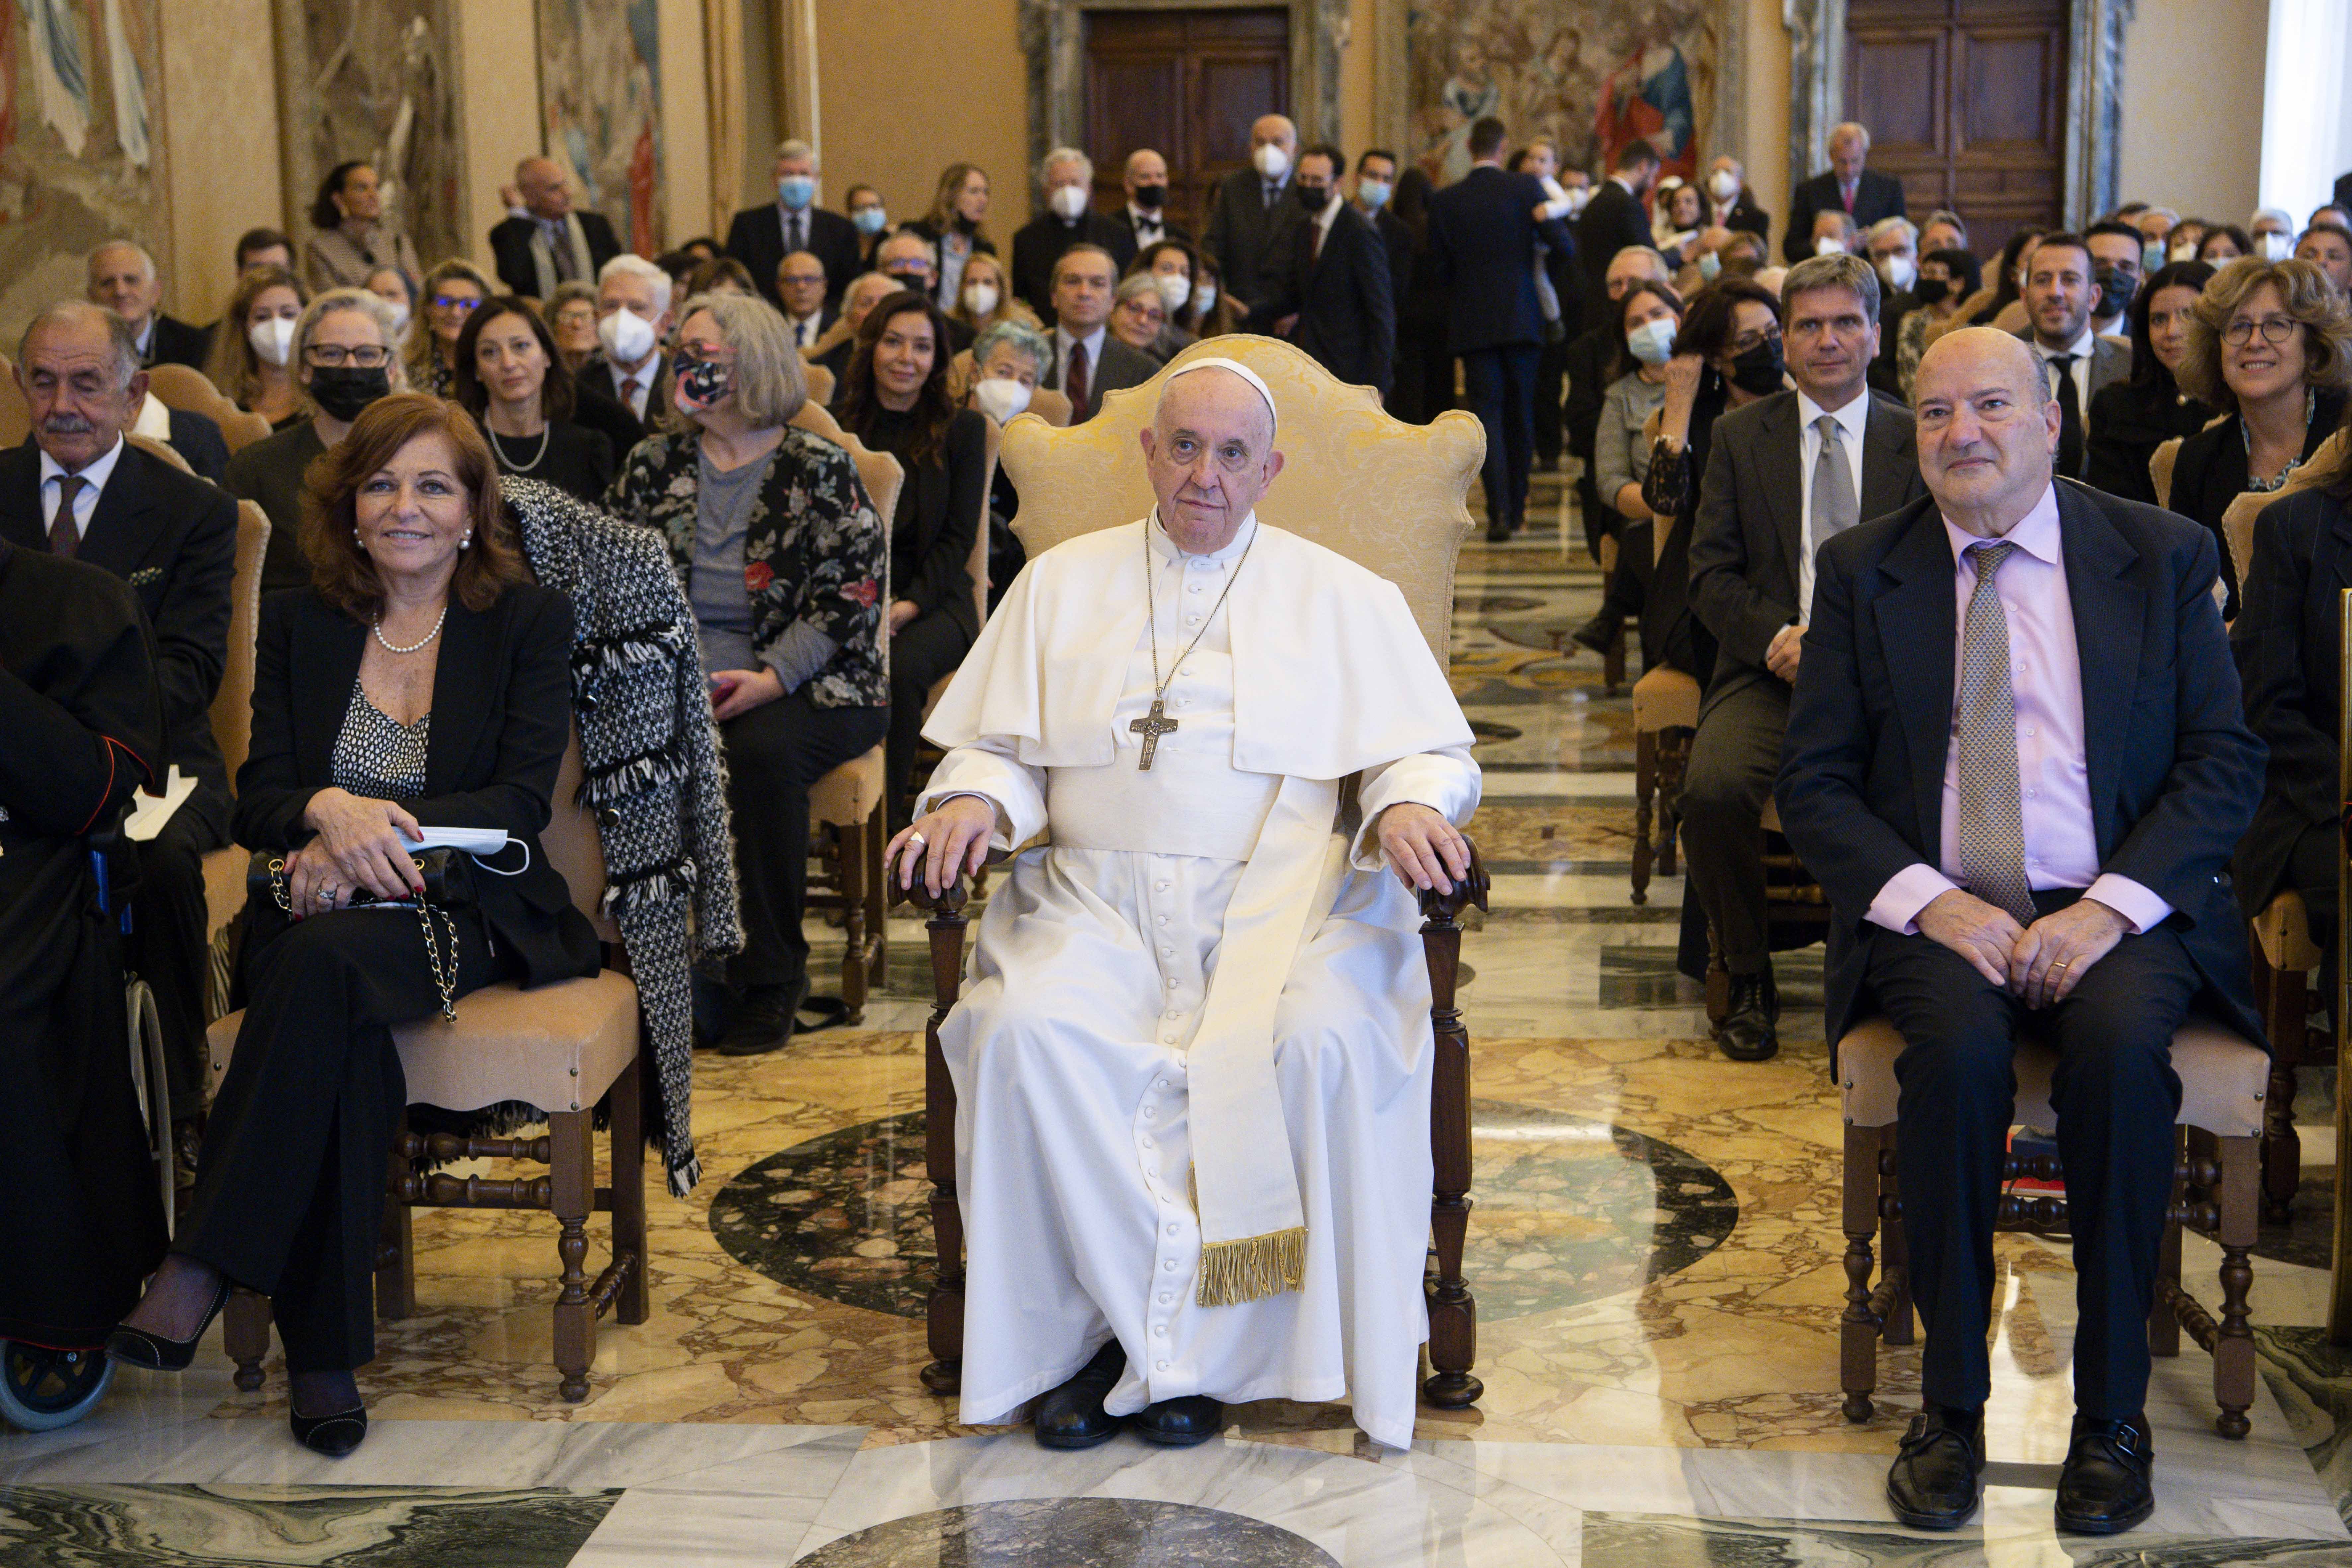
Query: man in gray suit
(2060, 292)
(1252, 215)
(1088, 361)
(1786, 474)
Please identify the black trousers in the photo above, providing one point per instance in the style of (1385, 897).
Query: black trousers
(169, 950)
(2117, 1096)
(773, 753)
(289, 1188)
(1500, 385)
(925, 649)
(1734, 757)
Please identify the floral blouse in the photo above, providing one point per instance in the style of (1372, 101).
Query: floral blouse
(814, 550)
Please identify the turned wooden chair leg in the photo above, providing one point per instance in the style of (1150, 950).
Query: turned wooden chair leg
(2286, 1003)
(245, 1335)
(2233, 1349)
(943, 1308)
(1857, 1329)
(878, 901)
(1671, 756)
(572, 1195)
(1453, 1309)
(1894, 1312)
(1645, 788)
(635, 1304)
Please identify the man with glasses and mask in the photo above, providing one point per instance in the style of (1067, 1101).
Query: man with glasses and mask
(80, 488)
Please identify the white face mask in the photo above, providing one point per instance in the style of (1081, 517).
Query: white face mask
(1271, 161)
(1653, 342)
(1174, 289)
(1829, 245)
(399, 317)
(628, 337)
(1000, 397)
(2273, 247)
(1724, 184)
(2184, 250)
(1373, 194)
(980, 299)
(1069, 202)
(272, 337)
(1207, 295)
(1898, 271)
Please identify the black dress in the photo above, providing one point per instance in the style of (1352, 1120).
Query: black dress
(289, 1187)
(2129, 420)
(81, 1221)
(575, 460)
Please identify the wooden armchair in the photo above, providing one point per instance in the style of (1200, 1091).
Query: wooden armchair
(1390, 497)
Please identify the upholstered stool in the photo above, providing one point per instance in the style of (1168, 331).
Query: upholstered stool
(846, 808)
(1666, 711)
(2224, 1081)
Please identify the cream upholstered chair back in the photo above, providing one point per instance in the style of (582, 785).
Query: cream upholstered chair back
(192, 392)
(1387, 495)
(820, 384)
(162, 450)
(232, 709)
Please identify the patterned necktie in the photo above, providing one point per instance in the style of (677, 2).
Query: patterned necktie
(1074, 381)
(792, 234)
(1834, 507)
(2070, 417)
(64, 537)
(558, 248)
(1992, 832)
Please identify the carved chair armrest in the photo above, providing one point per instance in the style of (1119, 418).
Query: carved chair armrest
(1473, 889)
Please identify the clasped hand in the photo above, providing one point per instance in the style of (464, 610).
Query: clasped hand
(361, 843)
(2041, 964)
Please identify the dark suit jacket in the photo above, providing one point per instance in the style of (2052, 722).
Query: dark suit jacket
(1397, 239)
(2288, 641)
(198, 438)
(1346, 316)
(510, 245)
(1247, 237)
(501, 717)
(2210, 473)
(756, 238)
(1748, 539)
(176, 341)
(2174, 771)
(1126, 248)
(173, 537)
(1039, 243)
(1611, 221)
(597, 408)
(1875, 196)
(1120, 366)
(1745, 215)
(1482, 246)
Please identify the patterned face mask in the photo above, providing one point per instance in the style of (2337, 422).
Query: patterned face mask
(701, 383)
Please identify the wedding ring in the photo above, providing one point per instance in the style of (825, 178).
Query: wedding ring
(918, 840)
(2061, 964)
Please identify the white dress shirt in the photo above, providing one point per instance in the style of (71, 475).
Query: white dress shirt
(94, 474)
(1094, 342)
(1324, 219)
(807, 329)
(1151, 228)
(1853, 420)
(2083, 349)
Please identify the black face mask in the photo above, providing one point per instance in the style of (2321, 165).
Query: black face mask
(1311, 197)
(1150, 198)
(1931, 291)
(1759, 371)
(342, 391)
(2116, 290)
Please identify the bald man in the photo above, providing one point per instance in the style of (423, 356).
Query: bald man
(544, 241)
(2016, 761)
(1252, 217)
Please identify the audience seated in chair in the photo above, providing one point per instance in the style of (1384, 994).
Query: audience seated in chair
(508, 379)
(2130, 419)
(253, 359)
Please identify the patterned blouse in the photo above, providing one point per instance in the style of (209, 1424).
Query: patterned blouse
(376, 756)
(814, 550)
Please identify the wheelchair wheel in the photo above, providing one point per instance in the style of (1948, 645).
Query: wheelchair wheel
(147, 1072)
(41, 1389)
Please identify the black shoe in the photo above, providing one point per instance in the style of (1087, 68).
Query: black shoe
(137, 1347)
(2103, 1488)
(761, 1019)
(1072, 1417)
(1747, 1033)
(1498, 533)
(1600, 633)
(1933, 1483)
(1180, 1423)
(333, 1435)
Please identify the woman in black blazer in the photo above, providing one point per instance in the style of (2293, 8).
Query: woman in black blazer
(2130, 419)
(895, 399)
(422, 679)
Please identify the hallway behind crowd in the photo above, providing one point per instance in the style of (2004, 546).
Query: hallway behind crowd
(633, 616)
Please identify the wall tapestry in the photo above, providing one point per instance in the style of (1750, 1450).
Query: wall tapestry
(600, 94)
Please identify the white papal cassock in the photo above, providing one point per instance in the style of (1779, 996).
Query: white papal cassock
(1075, 1128)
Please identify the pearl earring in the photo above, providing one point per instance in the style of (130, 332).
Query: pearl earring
(466, 542)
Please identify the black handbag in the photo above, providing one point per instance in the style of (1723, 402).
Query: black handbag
(449, 884)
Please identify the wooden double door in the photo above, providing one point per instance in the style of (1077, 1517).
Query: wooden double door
(1187, 84)
(1966, 102)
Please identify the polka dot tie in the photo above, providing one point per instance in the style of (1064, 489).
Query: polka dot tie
(1992, 834)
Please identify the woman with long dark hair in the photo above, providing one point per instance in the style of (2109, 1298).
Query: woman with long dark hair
(2130, 419)
(511, 380)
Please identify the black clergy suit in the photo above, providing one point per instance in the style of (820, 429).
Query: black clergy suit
(1746, 550)
(1613, 220)
(173, 537)
(2173, 775)
(1038, 244)
(175, 342)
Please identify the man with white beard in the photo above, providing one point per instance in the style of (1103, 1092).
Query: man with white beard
(1194, 1063)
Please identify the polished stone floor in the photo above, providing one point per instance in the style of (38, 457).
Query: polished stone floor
(1655, 1252)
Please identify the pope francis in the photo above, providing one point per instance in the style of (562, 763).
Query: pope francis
(1193, 1061)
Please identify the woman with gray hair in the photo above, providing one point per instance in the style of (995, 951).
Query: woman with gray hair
(784, 560)
(346, 354)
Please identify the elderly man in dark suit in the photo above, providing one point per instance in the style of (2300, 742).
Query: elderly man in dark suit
(1787, 475)
(1482, 246)
(2061, 288)
(1334, 291)
(2017, 762)
(1847, 185)
(1615, 218)
(1253, 214)
(549, 242)
(80, 490)
(764, 235)
(122, 278)
(1066, 219)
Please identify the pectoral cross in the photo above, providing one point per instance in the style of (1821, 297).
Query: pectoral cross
(1151, 726)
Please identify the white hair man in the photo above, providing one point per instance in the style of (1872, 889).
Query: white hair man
(1065, 218)
(761, 236)
(628, 368)
(123, 279)
(1844, 186)
(1194, 1062)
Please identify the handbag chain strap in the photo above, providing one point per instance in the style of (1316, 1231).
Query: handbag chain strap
(445, 968)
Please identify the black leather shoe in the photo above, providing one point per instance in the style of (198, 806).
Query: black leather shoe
(333, 1435)
(1072, 1417)
(1747, 1033)
(1498, 533)
(1933, 1483)
(137, 1347)
(761, 1019)
(1600, 633)
(1180, 1423)
(2103, 1488)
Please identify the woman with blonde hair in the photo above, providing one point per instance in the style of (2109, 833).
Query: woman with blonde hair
(453, 292)
(954, 225)
(252, 357)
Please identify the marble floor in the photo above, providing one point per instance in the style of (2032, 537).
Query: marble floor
(1655, 1253)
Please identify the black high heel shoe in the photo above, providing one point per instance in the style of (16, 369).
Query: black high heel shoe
(137, 1347)
(333, 1435)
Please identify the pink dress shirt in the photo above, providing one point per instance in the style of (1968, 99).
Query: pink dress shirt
(2045, 674)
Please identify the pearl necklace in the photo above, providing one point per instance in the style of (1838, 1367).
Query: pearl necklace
(415, 647)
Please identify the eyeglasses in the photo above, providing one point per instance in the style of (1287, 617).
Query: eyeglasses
(466, 302)
(1745, 341)
(331, 357)
(1151, 315)
(2275, 329)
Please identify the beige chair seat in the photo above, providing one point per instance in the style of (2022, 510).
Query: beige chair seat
(2223, 1079)
(1665, 698)
(848, 795)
